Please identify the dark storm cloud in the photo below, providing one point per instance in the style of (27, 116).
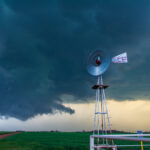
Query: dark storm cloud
(44, 46)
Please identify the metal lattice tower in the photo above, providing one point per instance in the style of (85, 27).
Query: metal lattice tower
(101, 117)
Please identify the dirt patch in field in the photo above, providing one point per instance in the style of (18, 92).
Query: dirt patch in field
(2, 136)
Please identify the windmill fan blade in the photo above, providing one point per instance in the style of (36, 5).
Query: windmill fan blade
(122, 58)
(98, 62)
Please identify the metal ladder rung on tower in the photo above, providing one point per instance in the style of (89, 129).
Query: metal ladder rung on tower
(102, 113)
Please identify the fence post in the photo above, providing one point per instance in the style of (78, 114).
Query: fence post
(91, 143)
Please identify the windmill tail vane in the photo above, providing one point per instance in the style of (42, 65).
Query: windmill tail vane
(122, 58)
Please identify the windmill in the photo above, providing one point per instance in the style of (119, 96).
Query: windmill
(102, 138)
(98, 62)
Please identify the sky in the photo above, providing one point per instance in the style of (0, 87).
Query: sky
(44, 46)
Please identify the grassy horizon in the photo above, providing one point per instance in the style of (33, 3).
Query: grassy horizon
(52, 141)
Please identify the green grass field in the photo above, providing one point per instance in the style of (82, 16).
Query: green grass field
(4, 132)
(51, 141)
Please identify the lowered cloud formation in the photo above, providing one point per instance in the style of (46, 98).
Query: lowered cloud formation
(44, 46)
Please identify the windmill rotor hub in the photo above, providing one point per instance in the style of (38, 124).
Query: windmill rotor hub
(98, 61)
